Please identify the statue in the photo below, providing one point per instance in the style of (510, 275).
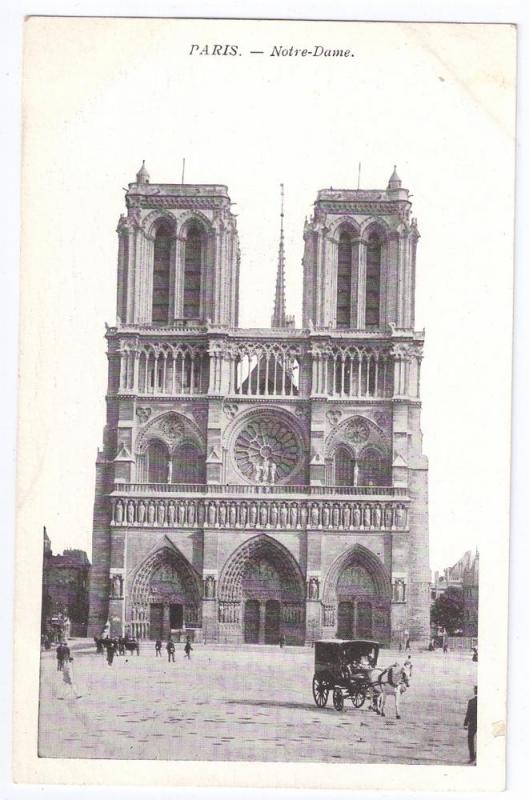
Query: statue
(115, 586)
(303, 515)
(388, 517)
(141, 512)
(212, 513)
(263, 516)
(325, 517)
(355, 473)
(119, 512)
(243, 515)
(191, 513)
(130, 512)
(222, 515)
(367, 516)
(201, 516)
(314, 589)
(273, 515)
(315, 516)
(273, 470)
(151, 513)
(171, 513)
(400, 517)
(209, 587)
(356, 517)
(265, 467)
(377, 517)
(294, 515)
(283, 515)
(181, 513)
(258, 473)
(233, 515)
(347, 516)
(336, 516)
(161, 513)
(253, 515)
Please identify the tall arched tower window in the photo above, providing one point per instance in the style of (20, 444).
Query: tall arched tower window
(194, 254)
(161, 272)
(344, 281)
(157, 463)
(373, 257)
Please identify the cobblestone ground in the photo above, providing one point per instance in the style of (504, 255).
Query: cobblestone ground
(251, 704)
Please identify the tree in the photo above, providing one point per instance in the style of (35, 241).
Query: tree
(447, 610)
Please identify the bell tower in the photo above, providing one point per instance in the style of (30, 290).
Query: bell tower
(359, 260)
(178, 254)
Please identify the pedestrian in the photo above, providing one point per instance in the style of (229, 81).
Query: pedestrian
(408, 668)
(110, 652)
(282, 641)
(188, 648)
(121, 646)
(60, 657)
(158, 647)
(408, 644)
(471, 724)
(170, 650)
(445, 647)
(67, 676)
(474, 654)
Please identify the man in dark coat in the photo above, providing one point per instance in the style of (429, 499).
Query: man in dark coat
(471, 724)
(170, 650)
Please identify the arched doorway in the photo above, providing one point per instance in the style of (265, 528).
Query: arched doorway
(262, 587)
(359, 589)
(165, 596)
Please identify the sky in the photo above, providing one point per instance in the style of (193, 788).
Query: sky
(437, 101)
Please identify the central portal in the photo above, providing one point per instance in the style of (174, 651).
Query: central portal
(264, 581)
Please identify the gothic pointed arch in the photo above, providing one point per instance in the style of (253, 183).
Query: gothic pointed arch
(165, 593)
(378, 583)
(171, 449)
(242, 574)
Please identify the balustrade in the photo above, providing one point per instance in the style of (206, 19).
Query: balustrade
(164, 369)
(260, 514)
(257, 489)
(351, 371)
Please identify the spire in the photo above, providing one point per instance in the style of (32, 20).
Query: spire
(394, 182)
(279, 318)
(142, 176)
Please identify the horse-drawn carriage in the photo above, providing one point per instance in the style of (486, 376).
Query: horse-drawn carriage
(348, 669)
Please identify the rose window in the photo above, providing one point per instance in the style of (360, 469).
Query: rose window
(357, 431)
(267, 451)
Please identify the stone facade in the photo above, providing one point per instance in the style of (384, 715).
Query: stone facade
(258, 483)
(65, 581)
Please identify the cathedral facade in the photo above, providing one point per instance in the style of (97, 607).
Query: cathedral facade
(262, 483)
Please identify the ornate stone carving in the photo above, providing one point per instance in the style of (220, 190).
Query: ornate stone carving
(172, 428)
(267, 450)
(357, 431)
(143, 413)
(269, 513)
(333, 416)
(230, 409)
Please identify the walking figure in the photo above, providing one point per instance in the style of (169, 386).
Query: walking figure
(471, 724)
(158, 648)
(60, 657)
(110, 652)
(67, 676)
(170, 650)
(282, 641)
(188, 648)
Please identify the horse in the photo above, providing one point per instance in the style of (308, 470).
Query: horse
(393, 682)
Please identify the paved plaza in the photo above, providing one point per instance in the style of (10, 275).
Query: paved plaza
(247, 703)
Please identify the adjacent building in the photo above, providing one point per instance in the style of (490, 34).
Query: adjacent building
(65, 581)
(257, 483)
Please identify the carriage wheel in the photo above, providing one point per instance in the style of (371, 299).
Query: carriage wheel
(358, 697)
(338, 699)
(320, 692)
